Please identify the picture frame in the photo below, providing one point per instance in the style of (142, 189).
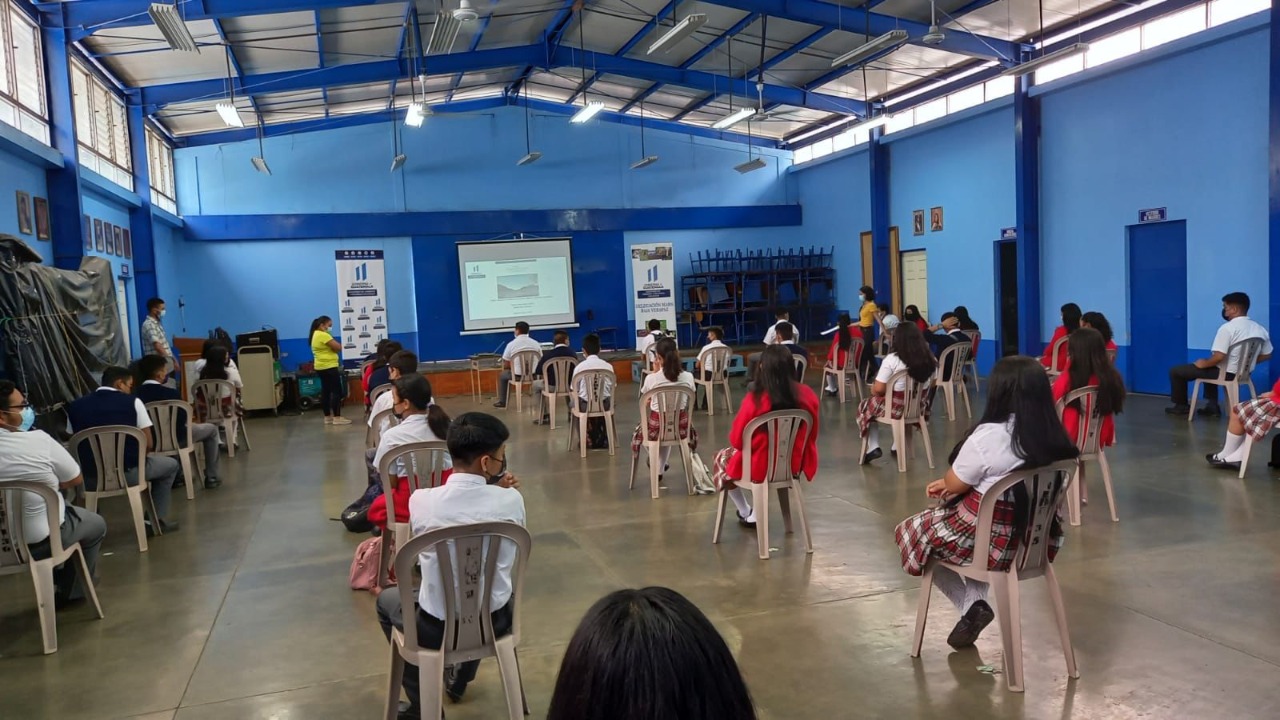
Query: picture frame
(935, 219)
(43, 231)
(119, 233)
(917, 222)
(25, 225)
(98, 243)
(128, 245)
(107, 234)
(88, 233)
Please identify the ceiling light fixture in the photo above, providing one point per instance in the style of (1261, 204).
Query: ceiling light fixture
(732, 119)
(645, 159)
(531, 156)
(1031, 66)
(891, 39)
(260, 162)
(681, 30)
(397, 162)
(416, 114)
(230, 115)
(172, 27)
(751, 165)
(587, 111)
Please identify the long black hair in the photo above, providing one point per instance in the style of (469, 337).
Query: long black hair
(776, 377)
(911, 313)
(913, 351)
(1071, 317)
(1019, 388)
(315, 325)
(416, 389)
(1088, 352)
(646, 654)
(844, 338)
(966, 322)
(665, 348)
(1099, 322)
(215, 364)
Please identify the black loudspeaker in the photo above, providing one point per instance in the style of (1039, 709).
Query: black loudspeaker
(270, 338)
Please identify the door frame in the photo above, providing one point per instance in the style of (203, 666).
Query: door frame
(900, 300)
(999, 299)
(1129, 370)
(895, 267)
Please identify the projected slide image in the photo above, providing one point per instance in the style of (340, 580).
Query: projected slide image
(518, 286)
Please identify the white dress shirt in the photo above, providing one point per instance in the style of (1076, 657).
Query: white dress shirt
(987, 456)
(517, 344)
(1235, 330)
(593, 362)
(412, 429)
(657, 379)
(466, 500)
(36, 457)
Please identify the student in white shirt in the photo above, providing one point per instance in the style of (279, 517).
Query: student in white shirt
(780, 315)
(911, 353)
(654, 334)
(421, 420)
(1018, 430)
(1238, 326)
(33, 456)
(592, 361)
(402, 364)
(546, 375)
(480, 490)
(670, 372)
(510, 366)
(715, 339)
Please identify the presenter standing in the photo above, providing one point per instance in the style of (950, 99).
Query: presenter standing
(329, 368)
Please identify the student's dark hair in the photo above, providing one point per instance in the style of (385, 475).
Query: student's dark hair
(154, 303)
(655, 324)
(523, 327)
(405, 361)
(7, 387)
(868, 293)
(1088, 352)
(215, 366)
(560, 337)
(212, 343)
(416, 389)
(591, 344)
(1099, 322)
(786, 331)
(114, 374)
(948, 316)
(473, 435)
(671, 367)
(149, 367)
(966, 322)
(781, 312)
(776, 378)
(1237, 298)
(844, 338)
(717, 331)
(913, 351)
(315, 325)
(1071, 317)
(648, 654)
(884, 307)
(911, 313)
(386, 349)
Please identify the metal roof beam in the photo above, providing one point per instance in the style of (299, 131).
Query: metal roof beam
(84, 17)
(324, 91)
(551, 36)
(628, 46)
(475, 44)
(235, 65)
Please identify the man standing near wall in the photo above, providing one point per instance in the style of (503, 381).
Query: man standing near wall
(154, 339)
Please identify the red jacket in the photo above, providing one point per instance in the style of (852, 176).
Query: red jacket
(1071, 417)
(1061, 364)
(805, 456)
(378, 510)
(834, 352)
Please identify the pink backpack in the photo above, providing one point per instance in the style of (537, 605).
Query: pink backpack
(364, 566)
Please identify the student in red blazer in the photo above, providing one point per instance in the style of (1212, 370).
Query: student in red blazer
(775, 389)
(1090, 365)
(1070, 323)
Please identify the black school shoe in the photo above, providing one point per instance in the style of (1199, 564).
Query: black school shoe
(1210, 411)
(872, 455)
(966, 632)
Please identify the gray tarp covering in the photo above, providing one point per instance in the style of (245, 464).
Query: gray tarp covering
(58, 328)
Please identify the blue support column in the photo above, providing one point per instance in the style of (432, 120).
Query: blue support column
(1026, 154)
(66, 217)
(141, 226)
(1273, 177)
(880, 214)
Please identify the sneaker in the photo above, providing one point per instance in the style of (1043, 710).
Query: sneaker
(327, 421)
(339, 420)
(966, 632)
(499, 404)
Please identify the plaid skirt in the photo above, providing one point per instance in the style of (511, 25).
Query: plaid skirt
(873, 406)
(655, 427)
(947, 533)
(1258, 415)
(720, 469)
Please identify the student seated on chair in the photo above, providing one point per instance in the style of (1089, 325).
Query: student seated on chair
(669, 372)
(641, 654)
(34, 456)
(1238, 327)
(219, 368)
(591, 361)
(152, 371)
(209, 345)
(838, 354)
(1070, 323)
(911, 314)
(966, 323)
(780, 316)
(1019, 430)
(1099, 322)
(951, 334)
(786, 335)
(401, 364)
(1088, 364)
(114, 404)
(421, 420)
(910, 353)
(1256, 417)
(715, 339)
(654, 334)
(521, 341)
(545, 375)
(775, 388)
(888, 321)
(380, 370)
(480, 490)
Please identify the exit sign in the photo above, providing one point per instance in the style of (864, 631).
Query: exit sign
(1153, 215)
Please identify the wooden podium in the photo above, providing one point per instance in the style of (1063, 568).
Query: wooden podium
(188, 351)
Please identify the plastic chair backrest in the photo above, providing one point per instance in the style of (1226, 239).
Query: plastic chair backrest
(106, 447)
(673, 400)
(14, 555)
(473, 549)
(525, 362)
(374, 433)
(1057, 351)
(423, 466)
(377, 392)
(1246, 354)
(213, 392)
(1089, 430)
(165, 416)
(1046, 489)
(976, 336)
(651, 358)
(958, 354)
(802, 366)
(598, 385)
(783, 428)
(561, 369)
(1111, 355)
(716, 362)
(913, 395)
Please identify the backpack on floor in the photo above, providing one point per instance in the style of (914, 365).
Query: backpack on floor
(597, 434)
(364, 566)
(356, 515)
(702, 483)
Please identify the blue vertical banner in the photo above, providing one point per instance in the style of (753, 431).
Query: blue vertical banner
(653, 275)
(362, 301)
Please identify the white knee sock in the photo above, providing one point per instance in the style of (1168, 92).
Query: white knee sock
(739, 499)
(664, 455)
(961, 591)
(1233, 445)
(873, 437)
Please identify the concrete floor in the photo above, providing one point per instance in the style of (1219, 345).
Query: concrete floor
(246, 612)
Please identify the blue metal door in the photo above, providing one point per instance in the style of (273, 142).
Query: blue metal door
(1157, 304)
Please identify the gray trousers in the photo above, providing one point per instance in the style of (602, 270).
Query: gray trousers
(207, 435)
(79, 526)
(162, 473)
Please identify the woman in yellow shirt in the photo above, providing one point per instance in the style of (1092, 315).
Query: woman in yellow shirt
(329, 368)
(867, 324)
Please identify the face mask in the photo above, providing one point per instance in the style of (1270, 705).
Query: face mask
(162, 313)
(862, 298)
(502, 470)
(1224, 316)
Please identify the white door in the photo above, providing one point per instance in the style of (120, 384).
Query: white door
(915, 280)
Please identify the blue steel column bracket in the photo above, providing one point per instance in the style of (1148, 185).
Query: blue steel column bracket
(141, 224)
(1026, 153)
(1273, 175)
(63, 184)
(879, 157)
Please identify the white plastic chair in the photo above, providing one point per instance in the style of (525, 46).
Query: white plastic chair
(165, 416)
(1246, 353)
(715, 362)
(915, 395)
(423, 463)
(648, 362)
(1055, 352)
(373, 433)
(213, 392)
(1089, 441)
(1046, 489)
(526, 361)
(377, 392)
(971, 365)
(16, 558)
(844, 374)
(468, 621)
(783, 428)
(555, 392)
(673, 401)
(802, 366)
(106, 448)
(956, 355)
(599, 385)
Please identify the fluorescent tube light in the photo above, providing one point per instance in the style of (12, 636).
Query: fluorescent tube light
(529, 159)
(172, 27)
(644, 162)
(397, 162)
(260, 164)
(729, 121)
(891, 39)
(416, 114)
(681, 30)
(1037, 63)
(230, 115)
(750, 165)
(587, 112)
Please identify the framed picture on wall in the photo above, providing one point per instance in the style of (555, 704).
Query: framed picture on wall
(128, 245)
(917, 222)
(42, 219)
(107, 229)
(24, 213)
(88, 233)
(119, 233)
(935, 219)
(98, 243)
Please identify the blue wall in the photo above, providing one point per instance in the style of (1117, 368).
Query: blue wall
(18, 173)
(836, 197)
(108, 208)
